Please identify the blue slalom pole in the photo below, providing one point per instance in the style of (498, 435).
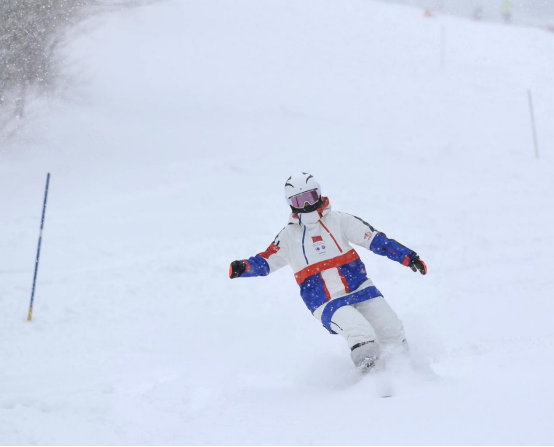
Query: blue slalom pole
(30, 315)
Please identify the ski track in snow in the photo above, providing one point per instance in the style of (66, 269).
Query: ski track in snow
(172, 167)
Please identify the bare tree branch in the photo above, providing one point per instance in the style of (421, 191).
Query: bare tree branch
(31, 34)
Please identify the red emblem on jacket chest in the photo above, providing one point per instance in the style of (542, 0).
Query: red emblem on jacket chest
(317, 239)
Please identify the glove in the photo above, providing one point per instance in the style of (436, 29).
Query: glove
(417, 264)
(236, 269)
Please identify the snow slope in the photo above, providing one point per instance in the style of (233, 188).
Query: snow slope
(169, 163)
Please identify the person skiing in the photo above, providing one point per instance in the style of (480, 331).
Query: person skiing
(332, 277)
(506, 10)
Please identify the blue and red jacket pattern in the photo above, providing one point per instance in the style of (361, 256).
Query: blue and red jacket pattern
(328, 270)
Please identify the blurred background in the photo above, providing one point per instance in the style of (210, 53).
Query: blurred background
(520, 12)
(34, 35)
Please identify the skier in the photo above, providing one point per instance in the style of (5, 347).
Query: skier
(332, 278)
(478, 13)
(506, 10)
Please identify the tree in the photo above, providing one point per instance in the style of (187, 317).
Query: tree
(31, 34)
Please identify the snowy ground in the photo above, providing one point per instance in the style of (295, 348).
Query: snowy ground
(171, 165)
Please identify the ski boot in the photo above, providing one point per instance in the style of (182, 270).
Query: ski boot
(370, 365)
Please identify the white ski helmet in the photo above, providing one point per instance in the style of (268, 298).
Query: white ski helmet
(303, 192)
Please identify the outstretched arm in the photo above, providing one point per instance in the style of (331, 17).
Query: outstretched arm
(394, 250)
(264, 263)
(361, 233)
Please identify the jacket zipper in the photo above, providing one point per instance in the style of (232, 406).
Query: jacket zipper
(303, 249)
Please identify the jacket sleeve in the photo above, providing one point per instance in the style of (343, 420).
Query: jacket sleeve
(275, 257)
(361, 233)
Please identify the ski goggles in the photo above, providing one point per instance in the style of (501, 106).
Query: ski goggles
(305, 198)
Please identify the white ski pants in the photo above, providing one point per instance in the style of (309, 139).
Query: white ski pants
(369, 327)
